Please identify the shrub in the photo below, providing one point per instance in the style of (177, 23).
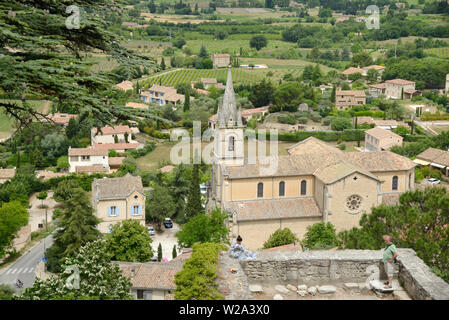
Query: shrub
(286, 118)
(342, 146)
(340, 123)
(303, 120)
(320, 236)
(279, 238)
(196, 280)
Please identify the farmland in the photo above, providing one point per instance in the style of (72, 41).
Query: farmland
(439, 52)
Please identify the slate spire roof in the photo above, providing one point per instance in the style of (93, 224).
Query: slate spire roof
(228, 114)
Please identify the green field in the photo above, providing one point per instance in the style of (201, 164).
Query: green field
(7, 124)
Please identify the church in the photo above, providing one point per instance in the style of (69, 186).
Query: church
(315, 182)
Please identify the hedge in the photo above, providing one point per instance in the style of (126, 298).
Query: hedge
(345, 135)
(196, 280)
(433, 117)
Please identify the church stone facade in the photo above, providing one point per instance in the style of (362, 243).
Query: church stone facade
(314, 182)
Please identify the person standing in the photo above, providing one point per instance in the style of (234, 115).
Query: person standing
(389, 257)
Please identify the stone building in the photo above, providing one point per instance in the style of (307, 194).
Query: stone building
(117, 199)
(314, 182)
(378, 139)
(396, 88)
(109, 134)
(88, 160)
(349, 98)
(221, 60)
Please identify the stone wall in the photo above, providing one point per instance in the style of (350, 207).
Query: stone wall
(338, 266)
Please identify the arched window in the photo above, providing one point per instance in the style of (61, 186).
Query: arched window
(231, 143)
(395, 183)
(260, 190)
(303, 187)
(281, 189)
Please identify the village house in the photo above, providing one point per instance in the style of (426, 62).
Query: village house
(88, 160)
(376, 90)
(377, 139)
(162, 95)
(125, 85)
(154, 280)
(400, 89)
(315, 182)
(61, 119)
(110, 134)
(7, 174)
(247, 114)
(353, 70)
(379, 69)
(380, 123)
(221, 60)
(209, 82)
(435, 159)
(117, 199)
(349, 98)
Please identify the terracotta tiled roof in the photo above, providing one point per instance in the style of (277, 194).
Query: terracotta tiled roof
(378, 86)
(116, 188)
(167, 168)
(209, 80)
(125, 85)
(201, 91)
(112, 130)
(115, 161)
(274, 208)
(380, 161)
(362, 120)
(221, 55)
(136, 105)
(7, 173)
(163, 89)
(352, 70)
(435, 155)
(254, 110)
(89, 169)
(400, 82)
(375, 67)
(45, 175)
(411, 91)
(355, 93)
(382, 133)
(339, 170)
(312, 145)
(62, 118)
(87, 152)
(115, 146)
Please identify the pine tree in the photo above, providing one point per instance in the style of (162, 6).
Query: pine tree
(193, 206)
(174, 254)
(163, 64)
(159, 252)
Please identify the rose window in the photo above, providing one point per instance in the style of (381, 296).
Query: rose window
(354, 202)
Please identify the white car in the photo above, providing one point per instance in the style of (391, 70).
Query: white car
(151, 230)
(433, 181)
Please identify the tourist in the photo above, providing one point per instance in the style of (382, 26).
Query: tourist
(238, 251)
(389, 258)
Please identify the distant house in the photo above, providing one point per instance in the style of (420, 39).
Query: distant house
(352, 70)
(380, 123)
(6, 175)
(419, 109)
(221, 60)
(396, 87)
(119, 147)
(125, 85)
(247, 114)
(108, 134)
(376, 89)
(153, 280)
(162, 95)
(377, 139)
(88, 160)
(117, 199)
(115, 163)
(378, 68)
(349, 98)
(210, 82)
(45, 175)
(60, 118)
(435, 158)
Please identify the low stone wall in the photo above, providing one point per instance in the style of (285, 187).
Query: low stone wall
(338, 266)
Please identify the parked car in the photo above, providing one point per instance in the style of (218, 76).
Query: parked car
(203, 188)
(433, 181)
(151, 230)
(154, 259)
(168, 223)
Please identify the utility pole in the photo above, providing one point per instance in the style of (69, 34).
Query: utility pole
(46, 221)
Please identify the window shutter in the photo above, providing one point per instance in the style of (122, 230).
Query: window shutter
(140, 210)
(109, 211)
(131, 210)
(116, 210)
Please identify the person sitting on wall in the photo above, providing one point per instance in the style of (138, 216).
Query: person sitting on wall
(238, 251)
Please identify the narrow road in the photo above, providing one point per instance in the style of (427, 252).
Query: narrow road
(24, 268)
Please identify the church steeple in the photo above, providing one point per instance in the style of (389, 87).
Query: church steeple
(228, 115)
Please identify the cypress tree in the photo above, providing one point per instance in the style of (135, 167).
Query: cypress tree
(163, 66)
(194, 206)
(159, 252)
(174, 254)
(333, 93)
(186, 101)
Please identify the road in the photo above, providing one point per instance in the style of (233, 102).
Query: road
(24, 268)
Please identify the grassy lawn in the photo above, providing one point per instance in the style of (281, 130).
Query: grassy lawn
(6, 122)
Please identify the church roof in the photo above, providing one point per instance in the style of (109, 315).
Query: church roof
(228, 110)
(340, 170)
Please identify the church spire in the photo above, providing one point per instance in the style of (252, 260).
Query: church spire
(228, 115)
